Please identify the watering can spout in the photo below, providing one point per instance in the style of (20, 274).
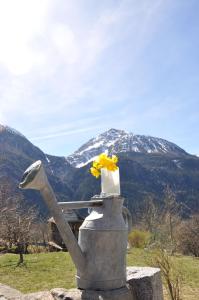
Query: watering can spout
(35, 178)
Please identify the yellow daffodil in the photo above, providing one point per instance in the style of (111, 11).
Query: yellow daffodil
(96, 165)
(103, 161)
(95, 172)
(114, 159)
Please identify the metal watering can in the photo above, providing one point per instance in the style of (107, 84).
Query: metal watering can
(100, 253)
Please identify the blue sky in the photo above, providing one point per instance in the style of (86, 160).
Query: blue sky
(70, 70)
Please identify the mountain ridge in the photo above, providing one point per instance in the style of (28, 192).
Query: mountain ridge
(17, 153)
(142, 173)
(116, 141)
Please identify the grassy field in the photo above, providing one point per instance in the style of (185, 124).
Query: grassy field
(45, 271)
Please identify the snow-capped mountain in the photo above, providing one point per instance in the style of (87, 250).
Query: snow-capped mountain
(142, 172)
(116, 141)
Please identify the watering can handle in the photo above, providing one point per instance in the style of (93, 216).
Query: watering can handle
(128, 217)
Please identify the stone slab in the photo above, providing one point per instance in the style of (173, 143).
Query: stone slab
(8, 293)
(76, 294)
(45, 295)
(145, 283)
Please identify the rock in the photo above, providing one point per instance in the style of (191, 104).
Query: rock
(145, 283)
(38, 296)
(76, 294)
(60, 293)
(8, 293)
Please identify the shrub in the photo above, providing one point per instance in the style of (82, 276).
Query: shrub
(139, 238)
(188, 236)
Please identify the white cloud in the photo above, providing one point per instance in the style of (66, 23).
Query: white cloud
(62, 67)
(20, 22)
(65, 133)
(65, 43)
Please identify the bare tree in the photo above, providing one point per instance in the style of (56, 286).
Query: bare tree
(150, 218)
(40, 236)
(171, 274)
(15, 222)
(170, 218)
(162, 219)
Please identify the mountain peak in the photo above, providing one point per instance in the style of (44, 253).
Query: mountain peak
(114, 131)
(112, 134)
(115, 141)
(5, 128)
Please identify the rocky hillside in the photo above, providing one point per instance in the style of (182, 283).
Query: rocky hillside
(147, 174)
(147, 166)
(17, 153)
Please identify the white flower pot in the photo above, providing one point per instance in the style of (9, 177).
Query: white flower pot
(110, 182)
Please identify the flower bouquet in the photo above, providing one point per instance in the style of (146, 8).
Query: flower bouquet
(109, 171)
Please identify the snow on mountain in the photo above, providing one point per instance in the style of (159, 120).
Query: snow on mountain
(116, 141)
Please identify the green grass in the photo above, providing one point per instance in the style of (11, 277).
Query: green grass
(45, 271)
(187, 265)
(42, 271)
